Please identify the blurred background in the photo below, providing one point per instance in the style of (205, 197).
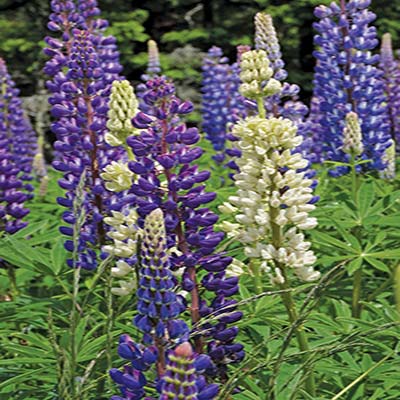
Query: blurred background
(184, 30)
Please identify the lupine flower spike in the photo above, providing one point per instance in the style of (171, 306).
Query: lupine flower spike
(82, 66)
(391, 77)
(347, 79)
(169, 180)
(352, 136)
(273, 195)
(17, 148)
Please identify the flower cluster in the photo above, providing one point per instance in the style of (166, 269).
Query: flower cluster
(272, 197)
(285, 103)
(17, 149)
(275, 194)
(158, 307)
(167, 179)
(391, 77)
(347, 79)
(82, 66)
(218, 99)
(352, 136)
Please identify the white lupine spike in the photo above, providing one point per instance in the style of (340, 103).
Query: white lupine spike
(390, 159)
(271, 186)
(123, 106)
(352, 135)
(255, 71)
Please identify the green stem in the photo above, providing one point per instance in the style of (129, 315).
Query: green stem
(74, 323)
(300, 333)
(397, 288)
(357, 277)
(355, 302)
(109, 325)
(255, 269)
(261, 107)
(13, 280)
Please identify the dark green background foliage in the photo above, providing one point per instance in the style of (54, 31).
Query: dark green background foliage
(183, 29)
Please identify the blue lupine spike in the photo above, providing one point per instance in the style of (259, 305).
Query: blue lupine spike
(17, 149)
(391, 78)
(347, 79)
(82, 67)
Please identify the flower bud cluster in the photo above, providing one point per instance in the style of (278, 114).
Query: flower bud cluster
(274, 198)
(390, 159)
(123, 106)
(256, 75)
(352, 135)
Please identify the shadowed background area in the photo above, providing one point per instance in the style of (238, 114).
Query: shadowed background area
(183, 28)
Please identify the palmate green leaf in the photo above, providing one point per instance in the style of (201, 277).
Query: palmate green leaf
(386, 254)
(381, 266)
(328, 240)
(354, 265)
(58, 256)
(32, 228)
(366, 196)
(21, 377)
(387, 220)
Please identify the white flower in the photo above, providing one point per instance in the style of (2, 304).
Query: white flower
(117, 176)
(272, 196)
(123, 106)
(352, 136)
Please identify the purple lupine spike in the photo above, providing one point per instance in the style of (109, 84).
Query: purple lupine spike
(391, 78)
(157, 302)
(168, 180)
(347, 79)
(153, 65)
(82, 67)
(181, 380)
(216, 89)
(17, 148)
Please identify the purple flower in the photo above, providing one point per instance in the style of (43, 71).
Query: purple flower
(83, 64)
(347, 79)
(17, 149)
(391, 79)
(167, 179)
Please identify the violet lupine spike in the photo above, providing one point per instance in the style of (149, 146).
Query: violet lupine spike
(216, 94)
(347, 79)
(180, 380)
(21, 134)
(168, 180)
(157, 302)
(12, 193)
(16, 155)
(79, 105)
(153, 64)
(158, 307)
(391, 78)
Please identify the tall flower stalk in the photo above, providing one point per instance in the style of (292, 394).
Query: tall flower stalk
(274, 197)
(83, 64)
(347, 79)
(391, 78)
(158, 309)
